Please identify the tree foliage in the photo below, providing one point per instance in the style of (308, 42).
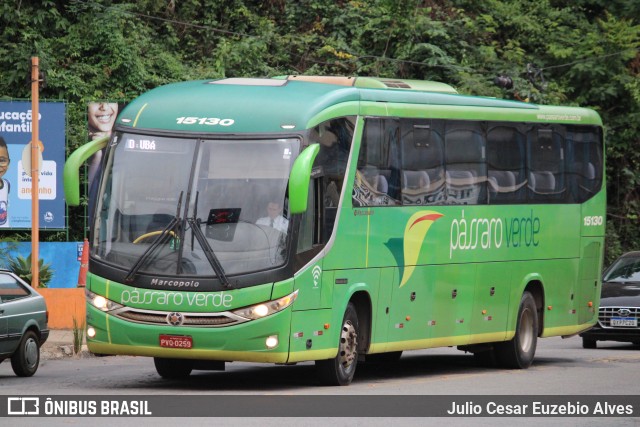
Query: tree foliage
(584, 52)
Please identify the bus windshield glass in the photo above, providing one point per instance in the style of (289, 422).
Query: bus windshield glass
(158, 191)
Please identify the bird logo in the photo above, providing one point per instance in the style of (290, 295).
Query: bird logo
(414, 235)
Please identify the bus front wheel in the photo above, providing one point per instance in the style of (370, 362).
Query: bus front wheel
(173, 369)
(518, 353)
(341, 369)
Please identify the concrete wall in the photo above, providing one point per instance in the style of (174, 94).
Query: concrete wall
(64, 305)
(65, 301)
(64, 258)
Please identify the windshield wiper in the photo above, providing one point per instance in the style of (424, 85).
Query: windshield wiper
(195, 223)
(161, 238)
(208, 252)
(195, 215)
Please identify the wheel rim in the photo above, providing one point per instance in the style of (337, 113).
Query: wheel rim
(348, 346)
(31, 353)
(526, 330)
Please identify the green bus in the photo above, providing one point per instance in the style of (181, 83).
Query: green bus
(340, 220)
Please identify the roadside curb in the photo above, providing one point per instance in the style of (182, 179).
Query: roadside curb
(59, 345)
(56, 352)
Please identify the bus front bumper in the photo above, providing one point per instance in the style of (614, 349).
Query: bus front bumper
(243, 342)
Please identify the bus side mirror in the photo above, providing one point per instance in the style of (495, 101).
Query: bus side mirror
(71, 172)
(299, 179)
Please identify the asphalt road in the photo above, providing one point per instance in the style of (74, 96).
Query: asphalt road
(561, 367)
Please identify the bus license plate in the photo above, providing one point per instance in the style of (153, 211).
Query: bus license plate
(176, 341)
(619, 321)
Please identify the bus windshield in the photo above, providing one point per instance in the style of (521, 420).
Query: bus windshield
(157, 192)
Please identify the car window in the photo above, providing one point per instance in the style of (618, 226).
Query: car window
(624, 270)
(10, 289)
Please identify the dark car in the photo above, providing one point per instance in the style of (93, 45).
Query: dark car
(619, 303)
(23, 324)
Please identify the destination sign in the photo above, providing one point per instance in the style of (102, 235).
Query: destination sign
(149, 144)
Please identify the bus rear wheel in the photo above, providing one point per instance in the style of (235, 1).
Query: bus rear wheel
(518, 353)
(173, 369)
(341, 369)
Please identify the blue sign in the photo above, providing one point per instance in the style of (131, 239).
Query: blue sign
(15, 129)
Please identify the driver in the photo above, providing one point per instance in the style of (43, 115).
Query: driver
(274, 218)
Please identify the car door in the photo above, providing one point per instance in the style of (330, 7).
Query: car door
(4, 346)
(13, 297)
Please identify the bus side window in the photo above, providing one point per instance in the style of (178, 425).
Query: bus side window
(308, 231)
(506, 178)
(584, 165)
(433, 146)
(378, 177)
(466, 169)
(546, 165)
(422, 157)
(325, 188)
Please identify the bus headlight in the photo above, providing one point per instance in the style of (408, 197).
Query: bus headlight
(91, 332)
(100, 302)
(272, 342)
(268, 308)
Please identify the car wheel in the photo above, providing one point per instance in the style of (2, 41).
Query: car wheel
(26, 359)
(587, 343)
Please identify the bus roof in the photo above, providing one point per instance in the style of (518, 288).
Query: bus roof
(377, 83)
(293, 103)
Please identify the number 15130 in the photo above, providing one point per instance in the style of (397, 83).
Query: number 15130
(210, 121)
(592, 221)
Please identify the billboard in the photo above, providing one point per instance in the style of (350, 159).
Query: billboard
(101, 117)
(15, 135)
